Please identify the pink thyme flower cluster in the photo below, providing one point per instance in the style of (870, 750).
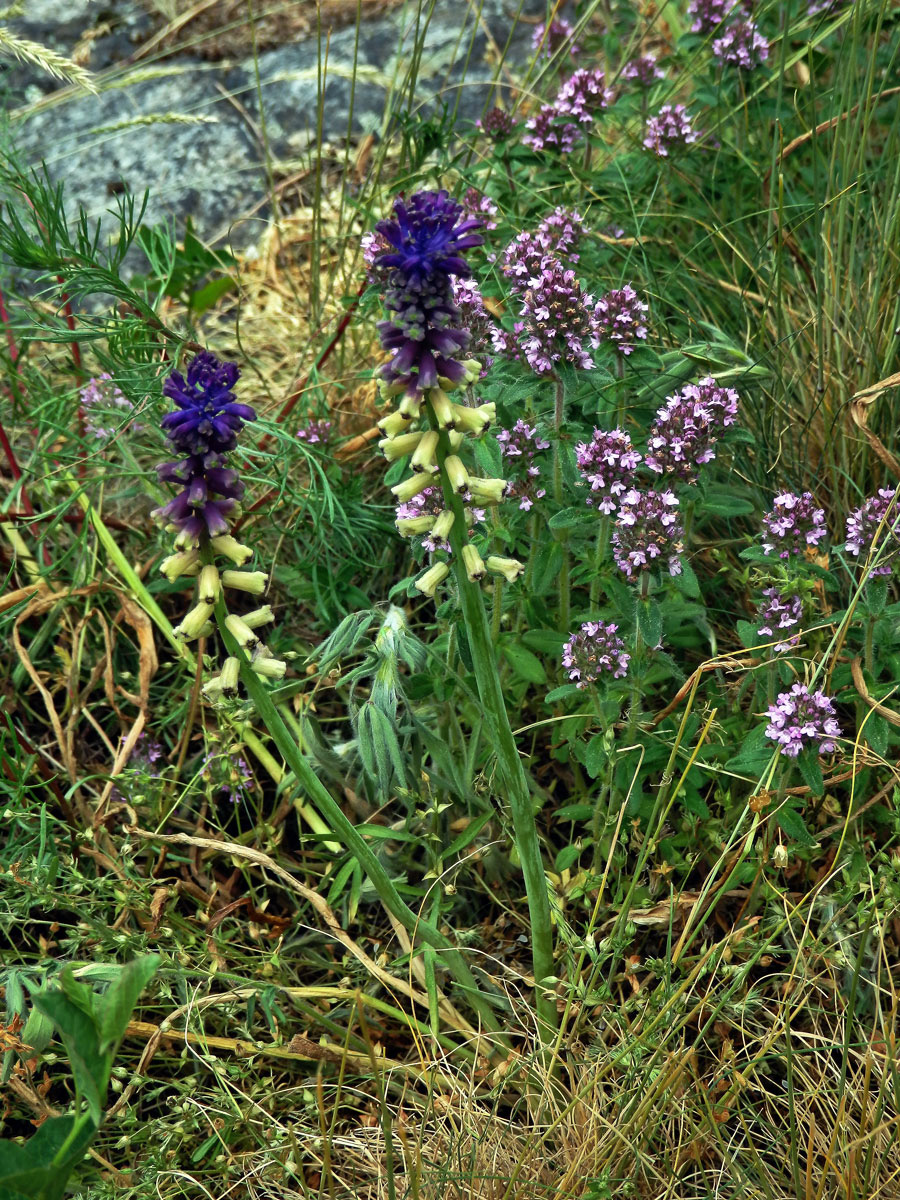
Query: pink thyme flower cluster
(608, 463)
(619, 316)
(552, 129)
(102, 403)
(497, 124)
(803, 720)
(793, 526)
(814, 7)
(671, 129)
(596, 650)
(583, 95)
(875, 527)
(520, 445)
(548, 39)
(373, 245)
(709, 14)
(476, 204)
(430, 502)
(557, 236)
(777, 614)
(474, 317)
(643, 70)
(315, 433)
(686, 429)
(741, 45)
(558, 322)
(647, 530)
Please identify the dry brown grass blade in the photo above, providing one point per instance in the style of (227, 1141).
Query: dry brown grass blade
(39, 605)
(148, 663)
(11, 599)
(860, 684)
(248, 854)
(859, 412)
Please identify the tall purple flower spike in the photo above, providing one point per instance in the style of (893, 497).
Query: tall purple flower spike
(427, 238)
(204, 428)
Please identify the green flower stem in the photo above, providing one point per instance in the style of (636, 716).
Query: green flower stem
(349, 835)
(559, 414)
(512, 773)
(600, 548)
(496, 608)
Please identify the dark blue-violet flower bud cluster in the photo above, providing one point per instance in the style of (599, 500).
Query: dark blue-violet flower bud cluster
(427, 239)
(204, 428)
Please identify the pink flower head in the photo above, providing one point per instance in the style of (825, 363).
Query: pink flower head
(596, 650)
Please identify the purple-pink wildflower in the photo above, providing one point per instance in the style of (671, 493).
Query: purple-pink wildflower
(474, 318)
(778, 613)
(560, 233)
(709, 14)
(619, 316)
(671, 129)
(793, 526)
(497, 124)
(584, 94)
(315, 432)
(102, 402)
(741, 45)
(593, 652)
(548, 39)
(477, 204)
(647, 531)
(430, 502)
(643, 70)
(803, 720)
(558, 322)
(519, 446)
(608, 463)
(873, 528)
(552, 129)
(686, 428)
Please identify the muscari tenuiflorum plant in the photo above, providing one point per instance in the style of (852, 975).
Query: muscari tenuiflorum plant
(204, 429)
(423, 251)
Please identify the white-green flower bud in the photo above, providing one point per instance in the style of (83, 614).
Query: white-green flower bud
(424, 457)
(411, 406)
(241, 632)
(475, 420)
(210, 586)
(487, 491)
(267, 666)
(457, 474)
(447, 385)
(393, 424)
(231, 548)
(230, 674)
(389, 390)
(187, 562)
(192, 625)
(253, 582)
(407, 488)
(473, 562)
(444, 411)
(472, 368)
(456, 438)
(259, 616)
(411, 526)
(212, 689)
(207, 630)
(396, 447)
(510, 568)
(432, 579)
(443, 524)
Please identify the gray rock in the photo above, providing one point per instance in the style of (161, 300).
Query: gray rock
(171, 128)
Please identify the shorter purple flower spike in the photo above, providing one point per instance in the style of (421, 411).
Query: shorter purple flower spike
(101, 400)
(558, 322)
(647, 533)
(685, 430)
(595, 651)
(481, 207)
(644, 70)
(709, 14)
(875, 527)
(741, 45)
(619, 316)
(803, 720)
(552, 129)
(608, 463)
(794, 525)
(315, 432)
(671, 129)
(519, 445)
(204, 429)
(778, 613)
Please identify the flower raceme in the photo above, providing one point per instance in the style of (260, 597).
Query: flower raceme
(422, 262)
(594, 651)
(803, 720)
(794, 526)
(204, 429)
